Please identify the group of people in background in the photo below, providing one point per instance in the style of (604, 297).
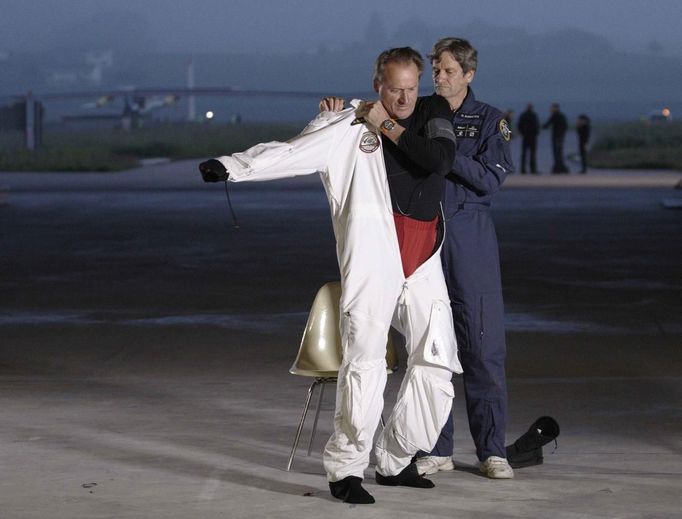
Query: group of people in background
(529, 127)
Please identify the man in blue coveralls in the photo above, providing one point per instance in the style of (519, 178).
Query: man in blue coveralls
(471, 260)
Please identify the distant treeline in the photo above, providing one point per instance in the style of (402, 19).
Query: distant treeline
(580, 70)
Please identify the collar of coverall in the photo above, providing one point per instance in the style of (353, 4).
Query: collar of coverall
(469, 102)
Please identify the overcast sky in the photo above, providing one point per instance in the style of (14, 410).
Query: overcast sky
(238, 25)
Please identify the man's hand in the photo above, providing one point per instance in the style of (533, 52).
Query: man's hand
(331, 104)
(377, 114)
(373, 113)
(213, 171)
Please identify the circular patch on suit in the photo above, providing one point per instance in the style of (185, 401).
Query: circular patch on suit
(369, 142)
(505, 131)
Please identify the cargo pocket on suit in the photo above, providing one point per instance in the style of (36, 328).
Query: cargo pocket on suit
(364, 376)
(440, 347)
(424, 398)
(491, 326)
(461, 322)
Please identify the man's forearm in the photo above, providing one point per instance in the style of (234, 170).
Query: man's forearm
(433, 155)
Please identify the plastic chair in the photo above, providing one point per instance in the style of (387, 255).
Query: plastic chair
(319, 355)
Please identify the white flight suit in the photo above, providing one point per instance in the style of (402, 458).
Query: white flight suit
(374, 295)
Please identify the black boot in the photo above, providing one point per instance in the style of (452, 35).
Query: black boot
(349, 490)
(527, 450)
(408, 477)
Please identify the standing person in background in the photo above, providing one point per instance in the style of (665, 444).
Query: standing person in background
(471, 261)
(559, 126)
(529, 128)
(583, 128)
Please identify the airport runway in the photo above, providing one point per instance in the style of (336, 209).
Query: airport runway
(145, 346)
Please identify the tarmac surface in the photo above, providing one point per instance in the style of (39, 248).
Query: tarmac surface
(145, 345)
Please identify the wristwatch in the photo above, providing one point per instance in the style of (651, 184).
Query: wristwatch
(388, 125)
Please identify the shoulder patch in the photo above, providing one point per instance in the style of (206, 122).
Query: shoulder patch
(505, 131)
(369, 142)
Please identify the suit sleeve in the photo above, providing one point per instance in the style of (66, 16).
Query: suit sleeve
(485, 172)
(304, 154)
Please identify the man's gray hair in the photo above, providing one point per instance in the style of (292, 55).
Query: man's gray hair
(403, 55)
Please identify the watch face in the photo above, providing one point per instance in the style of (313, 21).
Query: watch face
(388, 125)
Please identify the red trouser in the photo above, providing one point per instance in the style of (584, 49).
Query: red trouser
(416, 240)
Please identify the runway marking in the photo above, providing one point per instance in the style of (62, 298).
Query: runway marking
(210, 486)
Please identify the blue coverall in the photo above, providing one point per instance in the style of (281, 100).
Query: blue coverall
(472, 272)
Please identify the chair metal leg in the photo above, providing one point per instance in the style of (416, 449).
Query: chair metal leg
(311, 389)
(317, 415)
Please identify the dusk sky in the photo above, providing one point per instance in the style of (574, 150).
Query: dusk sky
(262, 25)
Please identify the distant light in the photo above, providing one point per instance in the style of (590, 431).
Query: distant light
(666, 112)
(209, 115)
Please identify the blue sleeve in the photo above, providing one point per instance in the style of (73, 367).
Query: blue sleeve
(485, 171)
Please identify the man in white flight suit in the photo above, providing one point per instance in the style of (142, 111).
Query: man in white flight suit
(376, 291)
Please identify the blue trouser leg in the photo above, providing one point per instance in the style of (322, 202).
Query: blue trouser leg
(486, 400)
(471, 267)
(484, 392)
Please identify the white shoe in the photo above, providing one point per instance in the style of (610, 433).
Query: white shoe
(496, 468)
(433, 464)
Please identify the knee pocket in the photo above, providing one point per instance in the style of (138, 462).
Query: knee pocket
(440, 347)
(422, 411)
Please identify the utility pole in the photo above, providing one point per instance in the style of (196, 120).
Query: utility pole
(191, 107)
(30, 120)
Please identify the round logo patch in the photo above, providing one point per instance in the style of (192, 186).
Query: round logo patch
(369, 142)
(505, 131)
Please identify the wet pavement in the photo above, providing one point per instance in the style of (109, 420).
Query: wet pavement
(145, 345)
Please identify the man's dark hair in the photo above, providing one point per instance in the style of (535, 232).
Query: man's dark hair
(402, 55)
(461, 50)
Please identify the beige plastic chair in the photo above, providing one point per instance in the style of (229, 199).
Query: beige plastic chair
(319, 355)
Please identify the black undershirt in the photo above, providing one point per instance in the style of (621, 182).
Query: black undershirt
(417, 165)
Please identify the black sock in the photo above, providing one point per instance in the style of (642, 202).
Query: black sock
(408, 477)
(349, 490)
